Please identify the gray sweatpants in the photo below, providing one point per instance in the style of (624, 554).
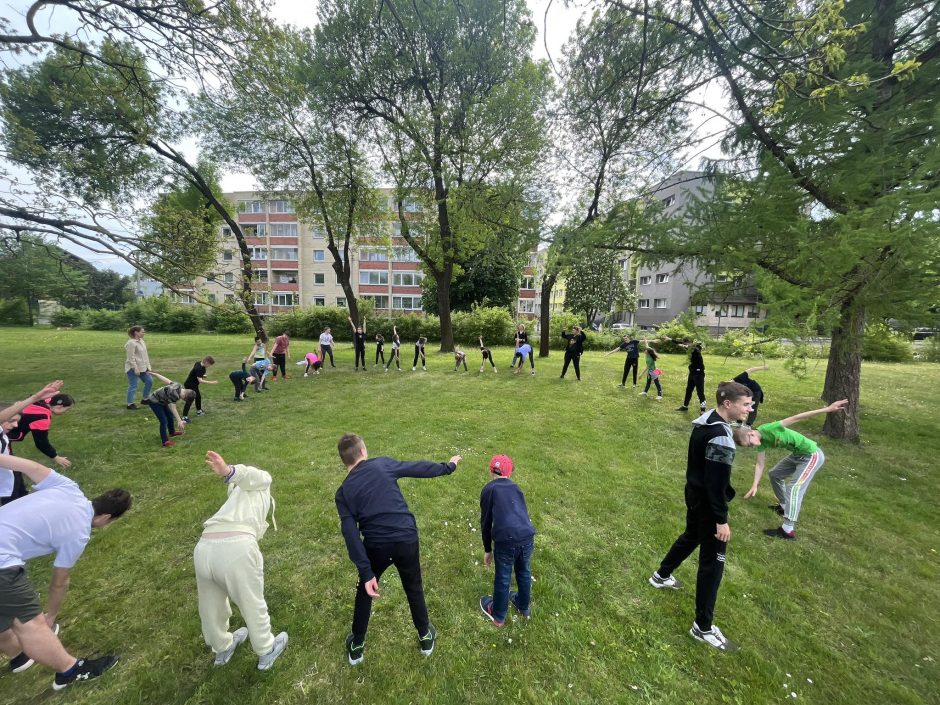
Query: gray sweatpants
(790, 479)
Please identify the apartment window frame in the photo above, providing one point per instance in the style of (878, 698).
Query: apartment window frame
(319, 279)
(381, 275)
(646, 279)
(660, 303)
(662, 278)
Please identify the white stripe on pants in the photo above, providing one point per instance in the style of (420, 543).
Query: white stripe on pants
(790, 479)
(232, 568)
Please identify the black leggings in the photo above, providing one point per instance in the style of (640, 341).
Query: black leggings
(360, 353)
(488, 358)
(189, 402)
(457, 363)
(280, 361)
(327, 350)
(406, 559)
(239, 382)
(696, 382)
(633, 362)
(379, 352)
(653, 380)
(572, 358)
(419, 353)
(394, 357)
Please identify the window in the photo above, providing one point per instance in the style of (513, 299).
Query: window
(379, 302)
(289, 253)
(261, 298)
(319, 278)
(341, 302)
(533, 259)
(721, 311)
(737, 311)
(412, 205)
(369, 276)
(396, 228)
(644, 303)
(319, 255)
(229, 297)
(226, 232)
(645, 280)
(660, 303)
(319, 301)
(255, 230)
(721, 277)
(211, 298)
(406, 303)
(251, 206)
(405, 254)
(528, 282)
(285, 277)
(283, 229)
(280, 207)
(258, 253)
(662, 278)
(229, 277)
(669, 200)
(526, 306)
(373, 254)
(227, 256)
(261, 275)
(286, 298)
(699, 310)
(318, 232)
(407, 278)
(752, 311)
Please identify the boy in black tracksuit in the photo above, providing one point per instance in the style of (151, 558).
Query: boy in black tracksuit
(632, 347)
(696, 379)
(370, 503)
(197, 375)
(573, 350)
(707, 493)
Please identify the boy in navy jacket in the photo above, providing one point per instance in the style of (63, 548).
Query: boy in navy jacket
(509, 535)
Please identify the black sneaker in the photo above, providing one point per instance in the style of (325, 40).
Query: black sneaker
(132, 406)
(20, 663)
(84, 670)
(428, 640)
(777, 508)
(660, 583)
(683, 408)
(354, 652)
(186, 419)
(779, 533)
(714, 638)
(145, 401)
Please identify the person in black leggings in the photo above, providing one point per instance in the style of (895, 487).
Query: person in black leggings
(487, 355)
(696, 379)
(379, 349)
(359, 342)
(632, 347)
(196, 376)
(573, 350)
(396, 350)
(240, 380)
(419, 352)
(522, 338)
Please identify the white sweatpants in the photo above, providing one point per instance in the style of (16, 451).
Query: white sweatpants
(232, 568)
(790, 479)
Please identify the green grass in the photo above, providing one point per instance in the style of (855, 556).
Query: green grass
(851, 606)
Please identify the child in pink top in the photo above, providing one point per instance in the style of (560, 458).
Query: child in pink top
(312, 361)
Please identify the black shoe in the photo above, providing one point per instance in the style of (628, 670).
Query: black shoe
(145, 401)
(354, 652)
(84, 670)
(20, 663)
(683, 408)
(132, 406)
(779, 533)
(777, 508)
(428, 640)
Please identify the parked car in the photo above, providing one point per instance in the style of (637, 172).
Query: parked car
(619, 326)
(924, 333)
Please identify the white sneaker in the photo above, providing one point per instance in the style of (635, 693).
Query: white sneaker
(306, 375)
(280, 643)
(713, 637)
(703, 407)
(659, 398)
(533, 373)
(238, 636)
(413, 369)
(669, 582)
(642, 394)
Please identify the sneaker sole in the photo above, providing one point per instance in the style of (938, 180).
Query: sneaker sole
(23, 667)
(63, 686)
(354, 662)
(268, 666)
(729, 648)
(663, 586)
(490, 617)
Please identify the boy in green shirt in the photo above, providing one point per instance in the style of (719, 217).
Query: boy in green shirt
(790, 477)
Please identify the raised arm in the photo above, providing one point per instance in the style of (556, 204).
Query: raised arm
(424, 468)
(44, 393)
(757, 369)
(835, 406)
(364, 331)
(352, 325)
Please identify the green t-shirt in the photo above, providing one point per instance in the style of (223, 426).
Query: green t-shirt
(774, 435)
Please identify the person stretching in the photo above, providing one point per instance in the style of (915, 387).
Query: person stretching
(163, 404)
(36, 418)
(522, 338)
(573, 350)
(396, 350)
(521, 352)
(419, 352)
(487, 356)
(696, 379)
(460, 357)
(632, 348)
(359, 342)
(326, 345)
(196, 376)
(12, 485)
(281, 354)
(240, 380)
(313, 363)
(379, 349)
(757, 392)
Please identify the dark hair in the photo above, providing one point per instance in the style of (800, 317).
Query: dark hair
(287, 333)
(134, 329)
(652, 353)
(257, 338)
(731, 391)
(350, 447)
(114, 502)
(61, 400)
(209, 359)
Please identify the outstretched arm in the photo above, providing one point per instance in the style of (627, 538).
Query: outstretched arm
(44, 393)
(165, 380)
(757, 369)
(835, 406)
(33, 470)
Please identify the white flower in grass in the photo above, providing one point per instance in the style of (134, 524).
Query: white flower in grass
(809, 680)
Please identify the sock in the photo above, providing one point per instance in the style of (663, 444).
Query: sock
(788, 527)
(72, 669)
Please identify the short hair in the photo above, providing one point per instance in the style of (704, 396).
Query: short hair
(287, 333)
(209, 359)
(134, 329)
(731, 391)
(61, 400)
(739, 433)
(350, 447)
(114, 502)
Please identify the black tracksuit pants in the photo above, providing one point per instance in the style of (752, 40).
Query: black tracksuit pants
(696, 382)
(405, 557)
(699, 533)
(633, 362)
(361, 355)
(189, 402)
(572, 358)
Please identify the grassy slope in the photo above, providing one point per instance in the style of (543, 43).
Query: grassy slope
(851, 606)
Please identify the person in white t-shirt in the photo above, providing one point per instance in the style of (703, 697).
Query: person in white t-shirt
(56, 518)
(326, 345)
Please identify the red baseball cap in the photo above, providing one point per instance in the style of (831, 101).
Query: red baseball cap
(501, 465)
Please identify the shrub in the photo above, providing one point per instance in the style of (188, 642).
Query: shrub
(67, 317)
(884, 345)
(102, 319)
(930, 351)
(493, 323)
(230, 317)
(160, 313)
(13, 312)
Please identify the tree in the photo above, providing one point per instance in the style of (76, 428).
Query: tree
(32, 269)
(96, 128)
(269, 114)
(594, 284)
(456, 105)
(835, 136)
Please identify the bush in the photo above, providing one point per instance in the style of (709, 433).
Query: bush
(494, 324)
(13, 312)
(160, 313)
(309, 323)
(882, 344)
(230, 317)
(67, 317)
(930, 351)
(102, 319)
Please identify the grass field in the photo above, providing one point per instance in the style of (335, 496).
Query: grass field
(848, 614)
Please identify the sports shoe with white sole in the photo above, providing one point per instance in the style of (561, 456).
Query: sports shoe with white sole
(280, 643)
(428, 641)
(238, 636)
(21, 661)
(354, 652)
(670, 582)
(85, 669)
(713, 637)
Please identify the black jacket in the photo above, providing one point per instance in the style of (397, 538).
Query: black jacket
(575, 342)
(708, 472)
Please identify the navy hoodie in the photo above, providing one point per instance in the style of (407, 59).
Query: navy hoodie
(504, 517)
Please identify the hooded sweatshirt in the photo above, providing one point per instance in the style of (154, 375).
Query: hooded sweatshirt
(711, 453)
(249, 501)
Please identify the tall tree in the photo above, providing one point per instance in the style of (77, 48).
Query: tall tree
(835, 106)
(32, 269)
(595, 284)
(456, 104)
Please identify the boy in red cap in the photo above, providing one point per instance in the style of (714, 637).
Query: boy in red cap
(508, 535)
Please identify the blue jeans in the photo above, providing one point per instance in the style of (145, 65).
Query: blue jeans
(509, 556)
(132, 385)
(167, 420)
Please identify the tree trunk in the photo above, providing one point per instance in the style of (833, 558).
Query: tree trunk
(545, 314)
(844, 373)
(342, 275)
(443, 280)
